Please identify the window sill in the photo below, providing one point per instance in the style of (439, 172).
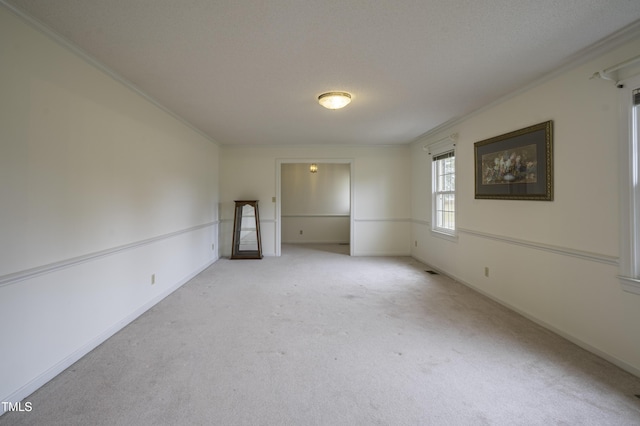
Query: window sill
(449, 236)
(629, 284)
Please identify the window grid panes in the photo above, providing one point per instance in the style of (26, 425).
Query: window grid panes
(629, 263)
(444, 192)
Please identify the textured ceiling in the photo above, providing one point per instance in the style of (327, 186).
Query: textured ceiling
(249, 71)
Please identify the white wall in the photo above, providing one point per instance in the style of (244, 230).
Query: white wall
(381, 194)
(99, 190)
(315, 207)
(555, 262)
(99, 187)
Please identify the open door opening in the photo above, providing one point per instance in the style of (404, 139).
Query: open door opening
(315, 203)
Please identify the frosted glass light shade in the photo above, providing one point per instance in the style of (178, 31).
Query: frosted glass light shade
(334, 100)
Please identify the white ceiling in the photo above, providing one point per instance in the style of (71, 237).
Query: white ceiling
(249, 71)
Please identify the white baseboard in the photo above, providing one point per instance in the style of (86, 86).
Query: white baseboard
(67, 362)
(383, 254)
(584, 345)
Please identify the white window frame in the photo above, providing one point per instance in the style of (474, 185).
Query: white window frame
(435, 150)
(629, 269)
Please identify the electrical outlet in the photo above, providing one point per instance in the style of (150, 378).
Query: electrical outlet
(153, 279)
(486, 271)
(273, 199)
(301, 232)
(213, 246)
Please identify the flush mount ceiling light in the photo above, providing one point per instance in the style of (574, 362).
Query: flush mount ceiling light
(334, 100)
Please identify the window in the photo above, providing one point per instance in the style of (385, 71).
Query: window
(444, 192)
(630, 187)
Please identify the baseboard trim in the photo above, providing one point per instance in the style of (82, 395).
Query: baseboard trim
(68, 361)
(383, 254)
(584, 345)
(67, 263)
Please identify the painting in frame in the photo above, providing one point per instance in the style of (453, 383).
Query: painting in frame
(517, 165)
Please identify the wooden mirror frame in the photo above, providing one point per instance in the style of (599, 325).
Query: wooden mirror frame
(244, 227)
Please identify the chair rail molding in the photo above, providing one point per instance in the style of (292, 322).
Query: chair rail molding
(26, 274)
(566, 251)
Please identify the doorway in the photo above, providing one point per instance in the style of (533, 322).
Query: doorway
(314, 206)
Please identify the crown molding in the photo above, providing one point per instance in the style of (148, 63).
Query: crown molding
(581, 57)
(78, 51)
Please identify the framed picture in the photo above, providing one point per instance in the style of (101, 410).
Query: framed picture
(517, 165)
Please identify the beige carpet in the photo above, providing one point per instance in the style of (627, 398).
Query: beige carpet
(316, 337)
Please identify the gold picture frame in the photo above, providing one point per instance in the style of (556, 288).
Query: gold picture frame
(517, 165)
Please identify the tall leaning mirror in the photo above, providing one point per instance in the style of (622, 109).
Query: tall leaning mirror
(246, 231)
